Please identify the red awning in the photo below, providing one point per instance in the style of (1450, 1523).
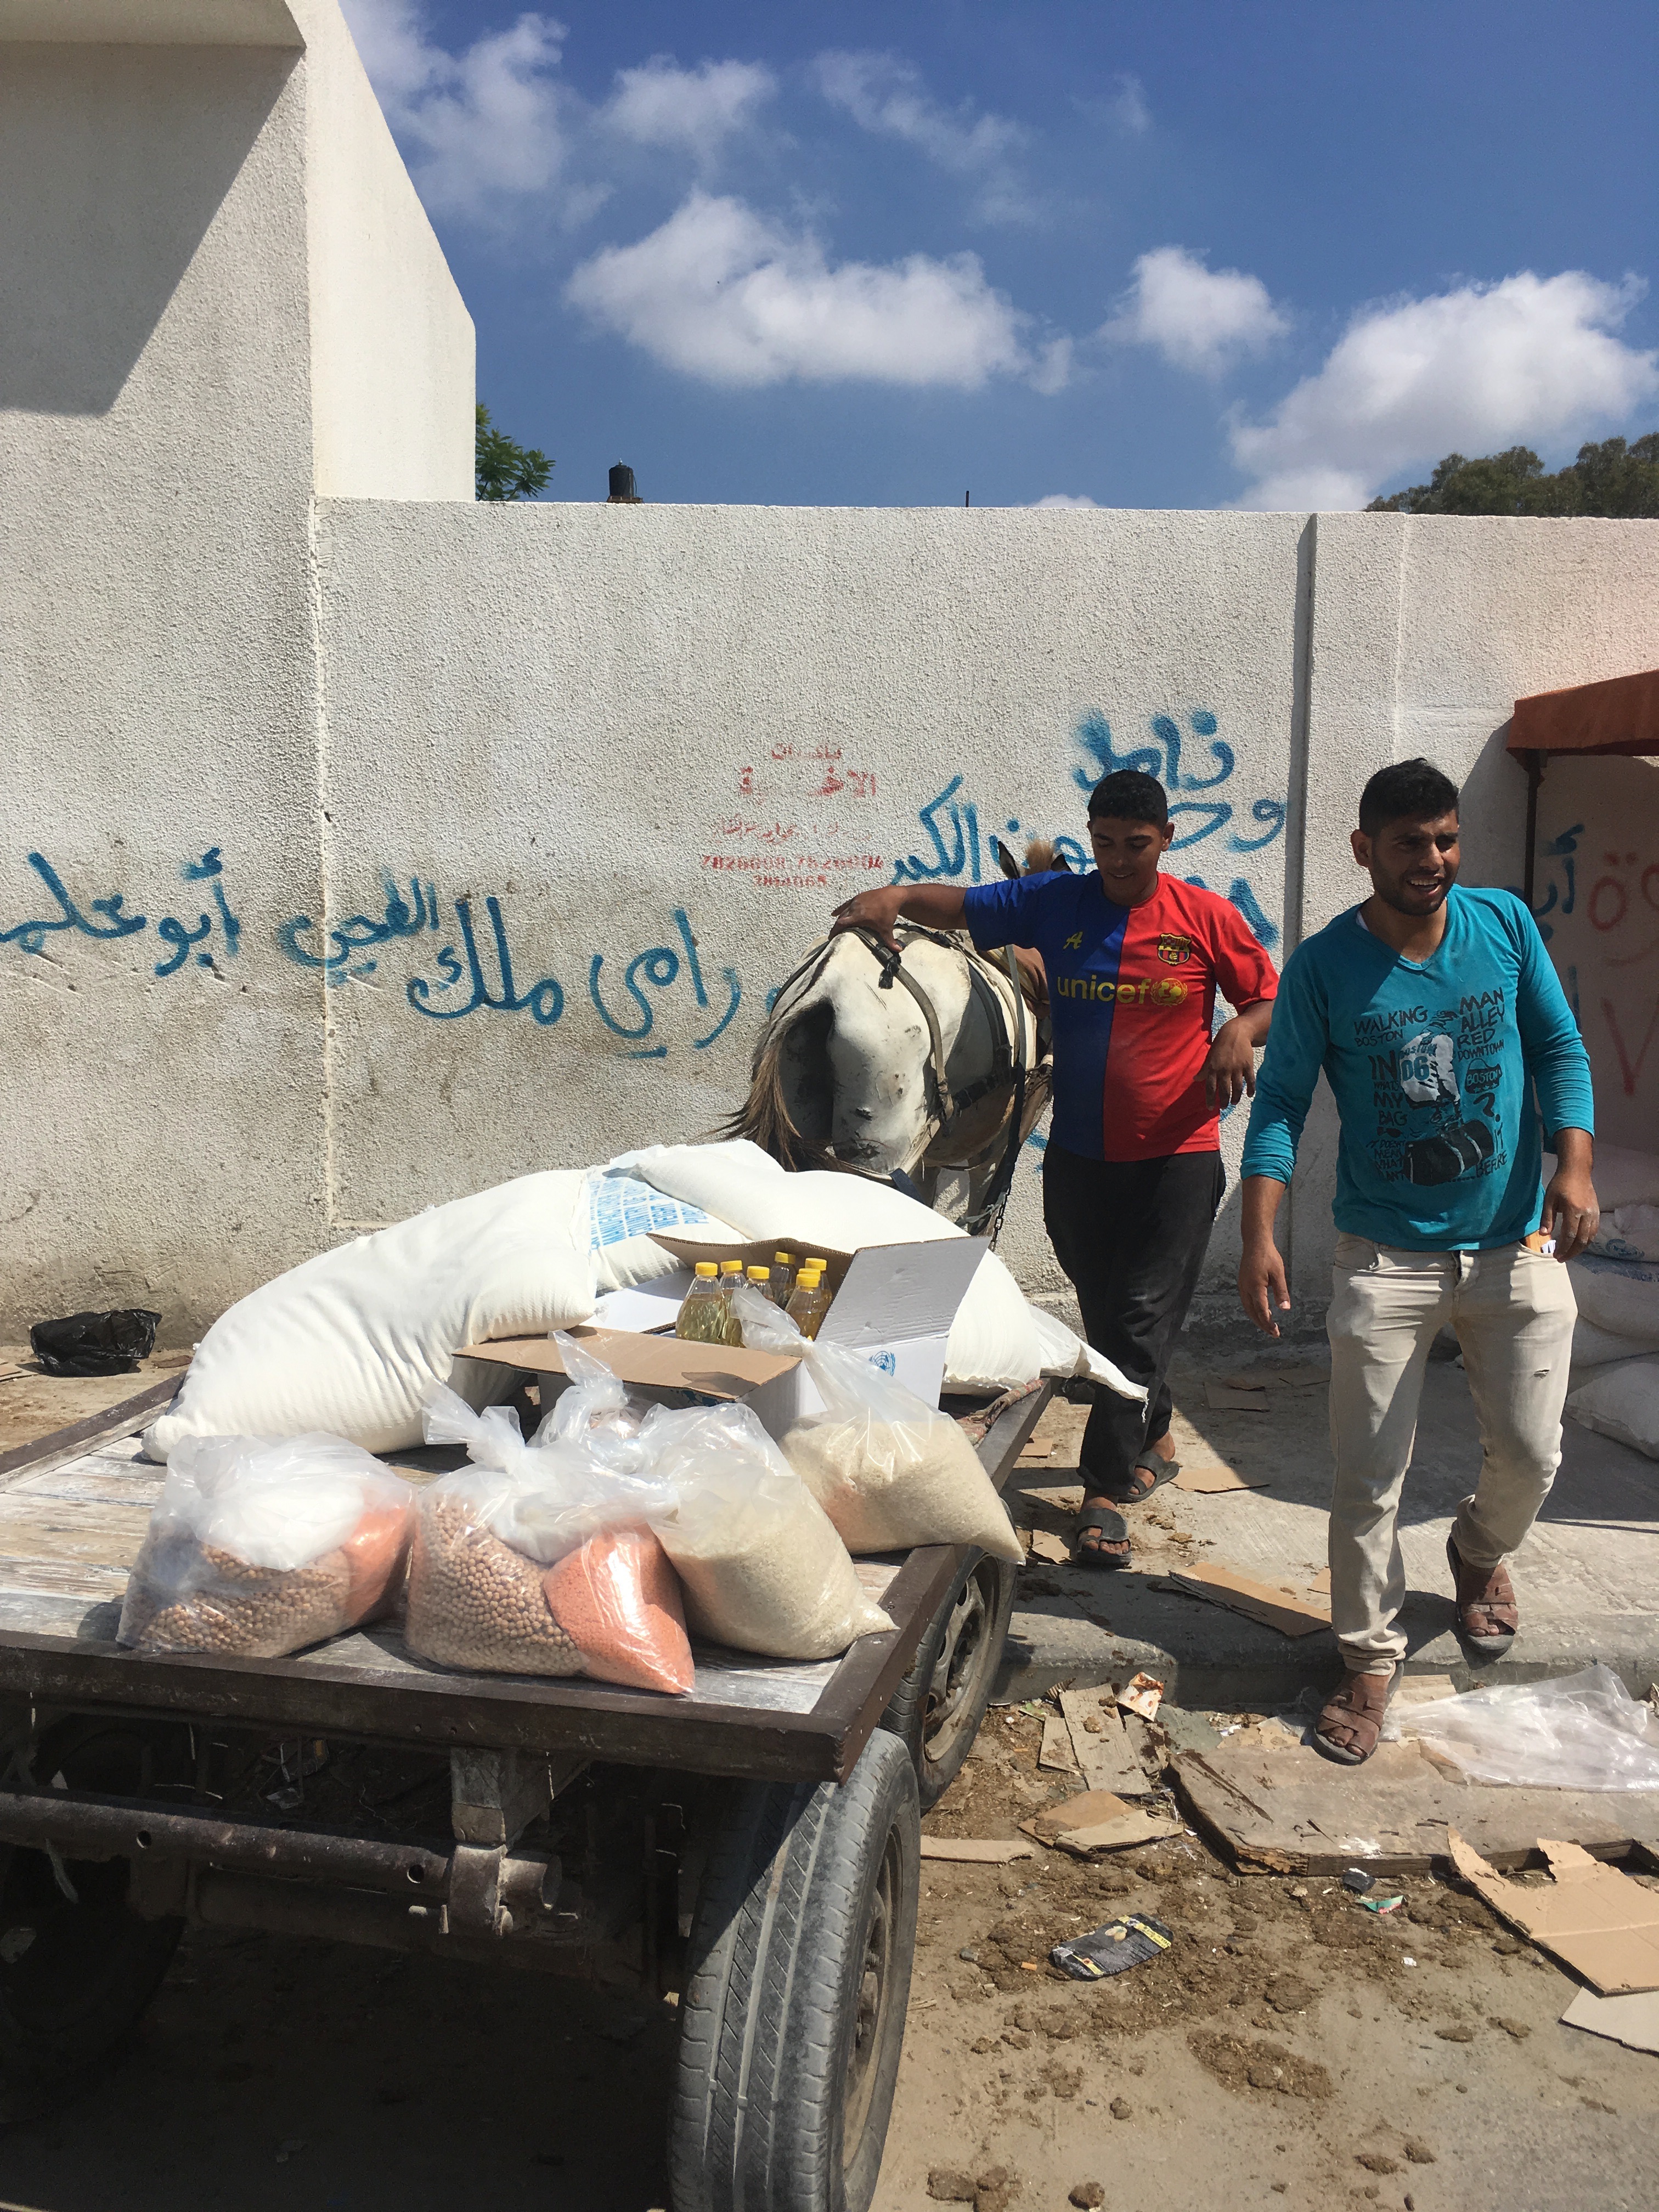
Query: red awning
(1618, 716)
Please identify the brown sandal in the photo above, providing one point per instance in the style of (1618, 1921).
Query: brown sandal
(1487, 1615)
(1359, 1708)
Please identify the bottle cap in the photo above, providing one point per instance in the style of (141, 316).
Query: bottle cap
(706, 1269)
(759, 1274)
(781, 1260)
(819, 1264)
(730, 1267)
(810, 1278)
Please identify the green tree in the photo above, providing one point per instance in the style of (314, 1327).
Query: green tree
(504, 469)
(1612, 478)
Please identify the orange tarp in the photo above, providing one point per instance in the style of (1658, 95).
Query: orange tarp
(1618, 716)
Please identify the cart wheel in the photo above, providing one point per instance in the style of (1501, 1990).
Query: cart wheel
(75, 1972)
(792, 2016)
(938, 1707)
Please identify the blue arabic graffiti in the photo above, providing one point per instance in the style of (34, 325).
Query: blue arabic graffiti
(660, 965)
(1564, 849)
(31, 936)
(402, 918)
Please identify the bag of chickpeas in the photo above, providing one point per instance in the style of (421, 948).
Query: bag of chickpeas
(259, 1546)
(536, 1559)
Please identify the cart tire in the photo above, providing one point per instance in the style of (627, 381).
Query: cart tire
(937, 1709)
(76, 1975)
(792, 2016)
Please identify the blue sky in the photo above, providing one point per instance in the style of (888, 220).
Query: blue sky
(1261, 253)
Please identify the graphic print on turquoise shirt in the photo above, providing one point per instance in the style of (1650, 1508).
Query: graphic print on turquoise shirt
(1432, 1065)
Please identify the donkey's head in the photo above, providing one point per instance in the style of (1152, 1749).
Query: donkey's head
(1040, 858)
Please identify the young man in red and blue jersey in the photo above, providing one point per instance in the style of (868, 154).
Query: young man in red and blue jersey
(1132, 1178)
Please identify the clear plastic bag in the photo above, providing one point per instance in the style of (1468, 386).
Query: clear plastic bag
(259, 1546)
(535, 1560)
(1582, 1731)
(890, 1470)
(762, 1566)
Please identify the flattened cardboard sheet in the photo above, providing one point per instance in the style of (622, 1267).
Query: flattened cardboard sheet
(1274, 1608)
(655, 1363)
(1595, 1920)
(1212, 1480)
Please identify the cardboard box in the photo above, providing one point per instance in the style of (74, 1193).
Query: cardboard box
(893, 1302)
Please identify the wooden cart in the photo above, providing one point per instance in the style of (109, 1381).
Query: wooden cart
(751, 1853)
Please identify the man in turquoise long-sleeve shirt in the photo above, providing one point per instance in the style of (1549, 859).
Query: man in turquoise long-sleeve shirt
(1435, 1016)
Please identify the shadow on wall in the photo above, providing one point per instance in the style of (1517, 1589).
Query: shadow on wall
(1493, 816)
(113, 162)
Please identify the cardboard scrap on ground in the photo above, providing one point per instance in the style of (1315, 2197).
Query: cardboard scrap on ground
(1595, 1920)
(1210, 1479)
(1056, 1750)
(1046, 1546)
(1274, 1608)
(1249, 1378)
(1098, 1821)
(1228, 1397)
(1141, 1694)
(975, 1851)
(1033, 1452)
(1103, 1750)
(1632, 2021)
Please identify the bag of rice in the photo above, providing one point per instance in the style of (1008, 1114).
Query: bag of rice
(890, 1470)
(762, 1567)
(259, 1546)
(536, 1559)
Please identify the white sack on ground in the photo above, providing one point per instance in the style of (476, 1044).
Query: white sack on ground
(1582, 1731)
(1622, 1401)
(1619, 1295)
(1628, 1232)
(997, 1341)
(351, 1341)
(1600, 1347)
(1622, 1176)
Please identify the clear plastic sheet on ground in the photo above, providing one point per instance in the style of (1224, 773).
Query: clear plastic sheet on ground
(1582, 1731)
(890, 1470)
(259, 1546)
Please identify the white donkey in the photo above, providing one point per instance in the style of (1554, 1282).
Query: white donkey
(932, 1063)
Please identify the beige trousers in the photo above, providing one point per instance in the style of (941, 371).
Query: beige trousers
(1513, 1311)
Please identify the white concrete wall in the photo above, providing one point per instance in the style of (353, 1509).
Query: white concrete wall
(271, 756)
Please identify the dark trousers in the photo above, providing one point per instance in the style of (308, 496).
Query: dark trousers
(1132, 1234)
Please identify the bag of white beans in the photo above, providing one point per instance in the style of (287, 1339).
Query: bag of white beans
(890, 1470)
(259, 1546)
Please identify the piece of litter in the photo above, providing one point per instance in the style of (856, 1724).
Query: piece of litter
(1101, 1746)
(1408, 1962)
(1056, 1752)
(1357, 1879)
(1322, 1581)
(1113, 1949)
(1274, 1608)
(1033, 1705)
(1213, 1479)
(1141, 1694)
(1098, 1821)
(1595, 1920)
(975, 1851)
(1222, 1398)
(1035, 1452)
(1054, 1551)
(1381, 1903)
(1247, 1378)
(1632, 2020)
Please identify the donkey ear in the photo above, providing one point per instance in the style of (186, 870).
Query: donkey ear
(1062, 865)
(1005, 858)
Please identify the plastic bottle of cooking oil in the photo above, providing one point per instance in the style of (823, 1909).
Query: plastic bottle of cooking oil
(783, 1276)
(731, 1276)
(702, 1314)
(761, 1279)
(822, 1266)
(811, 1300)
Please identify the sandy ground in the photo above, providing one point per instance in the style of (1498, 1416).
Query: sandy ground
(1285, 2053)
(33, 1403)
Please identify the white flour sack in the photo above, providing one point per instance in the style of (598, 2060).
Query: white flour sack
(1622, 1401)
(1619, 1295)
(761, 1566)
(889, 1470)
(351, 1341)
(1622, 1176)
(997, 1339)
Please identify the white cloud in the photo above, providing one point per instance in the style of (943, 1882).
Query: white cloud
(1530, 358)
(660, 104)
(723, 294)
(888, 96)
(478, 127)
(1197, 318)
(1065, 498)
(1128, 108)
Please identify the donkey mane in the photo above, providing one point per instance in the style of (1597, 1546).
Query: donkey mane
(764, 1117)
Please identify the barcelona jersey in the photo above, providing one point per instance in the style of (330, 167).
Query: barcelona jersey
(1132, 994)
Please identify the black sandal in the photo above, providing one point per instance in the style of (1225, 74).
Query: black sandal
(1111, 1528)
(1161, 1470)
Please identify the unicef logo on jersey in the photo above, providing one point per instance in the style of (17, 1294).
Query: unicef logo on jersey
(1168, 991)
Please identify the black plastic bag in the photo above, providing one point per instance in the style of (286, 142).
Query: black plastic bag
(96, 1343)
